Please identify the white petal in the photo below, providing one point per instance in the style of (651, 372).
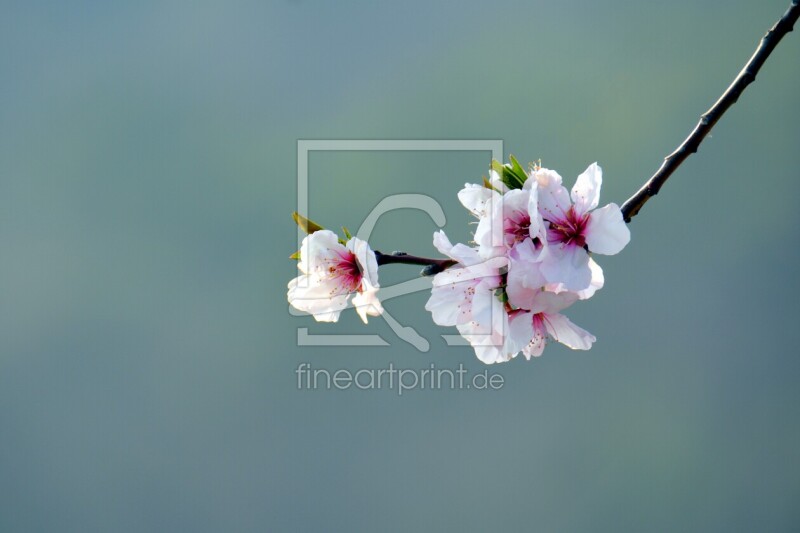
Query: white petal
(536, 228)
(322, 298)
(562, 330)
(489, 346)
(367, 303)
(551, 302)
(317, 248)
(490, 236)
(586, 192)
(525, 278)
(475, 197)
(520, 296)
(458, 252)
(598, 280)
(483, 308)
(569, 265)
(447, 303)
(366, 260)
(606, 231)
(490, 354)
(537, 342)
(553, 199)
(520, 329)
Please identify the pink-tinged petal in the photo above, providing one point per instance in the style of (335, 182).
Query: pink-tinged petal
(322, 298)
(490, 346)
(318, 249)
(547, 178)
(606, 231)
(476, 198)
(484, 308)
(525, 278)
(365, 257)
(562, 330)
(554, 203)
(586, 191)
(520, 296)
(553, 199)
(367, 303)
(598, 280)
(458, 252)
(444, 305)
(525, 262)
(311, 287)
(520, 330)
(451, 303)
(538, 340)
(568, 265)
(490, 354)
(551, 302)
(489, 235)
(536, 227)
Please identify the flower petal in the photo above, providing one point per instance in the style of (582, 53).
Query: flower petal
(458, 252)
(538, 340)
(551, 302)
(586, 192)
(322, 298)
(569, 265)
(366, 303)
(553, 198)
(520, 329)
(562, 330)
(597, 282)
(318, 249)
(606, 231)
(475, 198)
(366, 260)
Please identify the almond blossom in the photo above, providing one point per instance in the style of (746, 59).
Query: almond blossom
(530, 259)
(538, 318)
(575, 227)
(331, 274)
(466, 296)
(493, 307)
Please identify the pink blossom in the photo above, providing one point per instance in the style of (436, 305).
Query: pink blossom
(331, 273)
(575, 226)
(540, 319)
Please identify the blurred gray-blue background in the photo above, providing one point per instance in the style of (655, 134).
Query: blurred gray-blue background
(147, 174)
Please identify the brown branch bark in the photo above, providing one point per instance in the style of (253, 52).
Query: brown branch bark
(432, 266)
(708, 119)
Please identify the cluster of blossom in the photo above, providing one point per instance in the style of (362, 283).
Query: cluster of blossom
(530, 260)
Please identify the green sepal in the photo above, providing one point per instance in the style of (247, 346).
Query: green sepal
(487, 184)
(295, 255)
(501, 294)
(309, 226)
(512, 175)
(347, 233)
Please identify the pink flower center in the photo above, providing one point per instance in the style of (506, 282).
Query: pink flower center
(516, 228)
(569, 230)
(345, 269)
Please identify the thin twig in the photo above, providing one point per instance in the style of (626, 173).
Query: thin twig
(432, 266)
(708, 119)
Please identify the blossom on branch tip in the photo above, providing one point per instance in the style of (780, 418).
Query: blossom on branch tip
(331, 273)
(575, 227)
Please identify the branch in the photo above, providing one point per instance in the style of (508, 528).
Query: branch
(432, 266)
(708, 119)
